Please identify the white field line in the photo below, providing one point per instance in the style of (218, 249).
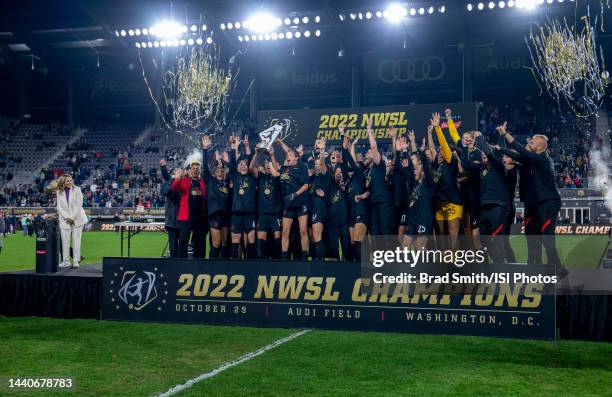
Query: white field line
(229, 364)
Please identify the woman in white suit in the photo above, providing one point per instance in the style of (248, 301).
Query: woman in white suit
(72, 218)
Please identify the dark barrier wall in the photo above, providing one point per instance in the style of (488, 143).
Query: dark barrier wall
(318, 295)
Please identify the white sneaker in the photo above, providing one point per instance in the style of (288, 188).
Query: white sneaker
(76, 265)
(64, 264)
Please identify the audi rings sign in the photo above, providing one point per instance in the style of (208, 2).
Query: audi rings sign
(411, 70)
(310, 124)
(416, 70)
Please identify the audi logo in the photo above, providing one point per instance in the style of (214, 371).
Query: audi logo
(411, 70)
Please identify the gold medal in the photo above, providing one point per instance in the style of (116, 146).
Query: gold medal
(484, 172)
(241, 191)
(267, 191)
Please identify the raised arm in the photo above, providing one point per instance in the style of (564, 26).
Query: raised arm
(430, 142)
(164, 170)
(253, 165)
(454, 134)
(373, 146)
(526, 155)
(273, 158)
(445, 149)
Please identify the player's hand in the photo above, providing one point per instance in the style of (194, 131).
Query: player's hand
(320, 193)
(162, 163)
(411, 136)
(346, 142)
(477, 134)
(447, 113)
(300, 149)
(341, 129)
(429, 129)
(355, 142)
(496, 147)
(179, 173)
(435, 119)
(288, 199)
(369, 123)
(226, 157)
(392, 131)
(502, 129)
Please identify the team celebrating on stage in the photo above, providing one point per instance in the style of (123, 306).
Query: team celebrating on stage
(322, 204)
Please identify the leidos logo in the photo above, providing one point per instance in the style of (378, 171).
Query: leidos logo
(314, 78)
(137, 289)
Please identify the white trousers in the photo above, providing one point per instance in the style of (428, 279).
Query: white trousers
(74, 234)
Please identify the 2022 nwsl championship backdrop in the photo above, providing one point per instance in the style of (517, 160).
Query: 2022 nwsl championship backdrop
(306, 198)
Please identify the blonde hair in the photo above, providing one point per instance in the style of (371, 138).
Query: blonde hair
(59, 184)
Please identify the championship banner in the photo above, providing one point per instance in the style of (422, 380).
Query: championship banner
(305, 126)
(318, 295)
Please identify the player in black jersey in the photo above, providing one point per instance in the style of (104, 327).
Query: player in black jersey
(447, 197)
(356, 195)
(318, 189)
(338, 218)
(493, 194)
(244, 196)
(401, 181)
(269, 203)
(380, 197)
(294, 182)
(420, 207)
(535, 155)
(469, 182)
(219, 200)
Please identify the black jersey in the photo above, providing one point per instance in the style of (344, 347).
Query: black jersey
(316, 182)
(292, 179)
(217, 192)
(244, 190)
(355, 186)
(420, 205)
(542, 173)
(445, 178)
(269, 199)
(196, 204)
(470, 188)
(493, 189)
(377, 185)
(338, 214)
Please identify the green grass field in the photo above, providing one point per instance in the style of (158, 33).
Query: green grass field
(134, 359)
(19, 253)
(137, 359)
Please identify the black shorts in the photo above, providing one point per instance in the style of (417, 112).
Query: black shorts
(295, 212)
(413, 230)
(218, 220)
(318, 215)
(548, 212)
(360, 219)
(243, 222)
(269, 223)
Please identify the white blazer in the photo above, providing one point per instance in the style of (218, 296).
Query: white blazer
(73, 209)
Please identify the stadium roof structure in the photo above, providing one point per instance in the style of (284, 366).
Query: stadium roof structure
(71, 34)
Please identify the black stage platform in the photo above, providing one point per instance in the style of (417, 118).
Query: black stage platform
(77, 293)
(69, 293)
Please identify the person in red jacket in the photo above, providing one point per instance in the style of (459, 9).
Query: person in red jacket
(191, 219)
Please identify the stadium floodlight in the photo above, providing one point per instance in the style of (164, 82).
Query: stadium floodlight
(318, 33)
(353, 16)
(167, 29)
(222, 26)
(150, 45)
(137, 45)
(298, 35)
(510, 3)
(145, 31)
(137, 32)
(143, 44)
(368, 15)
(307, 34)
(442, 9)
(480, 6)
(287, 21)
(289, 35)
(190, 41)
(131, 32)
(247, 38)
(199, 41)
(260, 37)
(379, 14)
(360, 16)
(501, 4)
(341, 16)
(230, 25)
(117, 33)
(209, 40)
(413, 11)
(156, 44)
(421, 11)
(204, 27)
(395, 12)
(267, 36)
(240, 38)
(237, 25)
(193, 28)
(305, 19)
(296, 20)
(182, 42)
(162, 43)
(281, 36)
(262, 22)
(317, 19)
(526, 4)
(274, 36)
(491, 5)
(123, 33)
(549, 1)
(470, 7)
